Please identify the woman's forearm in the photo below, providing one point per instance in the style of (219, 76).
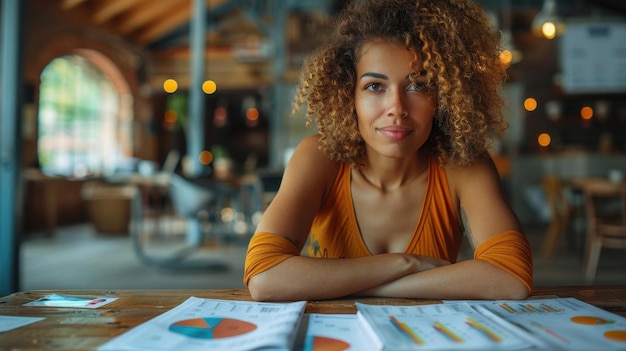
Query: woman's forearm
(306, 278)
(472, 279)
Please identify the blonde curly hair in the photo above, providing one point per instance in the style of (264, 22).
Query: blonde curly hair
(459, 52)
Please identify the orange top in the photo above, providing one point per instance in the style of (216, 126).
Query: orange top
(335, 232)
(438, 233)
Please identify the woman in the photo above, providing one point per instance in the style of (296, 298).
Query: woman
(405, 99)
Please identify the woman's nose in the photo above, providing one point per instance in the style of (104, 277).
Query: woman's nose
(396, 103)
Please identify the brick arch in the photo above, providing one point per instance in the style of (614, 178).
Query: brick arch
(118, 64)
(102, 63)
(116, 59)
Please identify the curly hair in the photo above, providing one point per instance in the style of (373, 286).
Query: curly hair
(459, 52)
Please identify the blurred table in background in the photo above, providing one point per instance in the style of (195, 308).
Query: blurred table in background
(205, 212)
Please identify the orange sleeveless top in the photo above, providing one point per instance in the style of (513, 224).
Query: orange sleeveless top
(335, 232)
(438, 233)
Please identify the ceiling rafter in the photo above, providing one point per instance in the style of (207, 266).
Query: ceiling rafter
(106, 10)
(177, 17)
(68, 4)
(146, 12)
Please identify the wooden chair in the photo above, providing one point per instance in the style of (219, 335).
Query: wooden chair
(560, 211)
(605, 206)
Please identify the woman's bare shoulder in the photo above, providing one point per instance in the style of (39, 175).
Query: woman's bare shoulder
(310, 163)
(481, 171)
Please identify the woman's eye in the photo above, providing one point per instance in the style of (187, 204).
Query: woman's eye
(373, 87)
(417, 86)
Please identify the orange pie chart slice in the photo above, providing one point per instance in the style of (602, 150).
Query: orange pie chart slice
(590, 320)
(321, 343)
(616, 335)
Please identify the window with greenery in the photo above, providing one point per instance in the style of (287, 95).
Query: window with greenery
(78, 119)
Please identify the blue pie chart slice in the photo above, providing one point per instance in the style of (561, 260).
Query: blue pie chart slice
(212, 328)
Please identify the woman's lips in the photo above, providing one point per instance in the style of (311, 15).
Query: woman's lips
(395, 132)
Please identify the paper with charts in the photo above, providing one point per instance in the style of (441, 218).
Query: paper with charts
(533, 324)
(435, 327)
(332, 332)
(210, 324)
(561, 323)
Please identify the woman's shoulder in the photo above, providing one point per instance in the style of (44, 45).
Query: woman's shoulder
(310, 147)
(308, 159)
(481, 163)
(481, 170)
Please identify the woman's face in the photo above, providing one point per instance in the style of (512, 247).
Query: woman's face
(394, 114)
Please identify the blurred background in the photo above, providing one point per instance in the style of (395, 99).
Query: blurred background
(140, 140)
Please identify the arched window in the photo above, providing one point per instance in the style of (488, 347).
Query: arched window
(81, 131)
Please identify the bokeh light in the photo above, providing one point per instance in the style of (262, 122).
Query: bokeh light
(252, 114)
(170, 86)
(530, 104)
(548, 29)
(169, 119)
(209, 87)
(506, 57)
(205, 157)
(544, 139)
(586, 113)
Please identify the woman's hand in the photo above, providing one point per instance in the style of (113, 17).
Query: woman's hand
(424, 263)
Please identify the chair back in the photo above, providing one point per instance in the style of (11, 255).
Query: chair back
(605, 204)
(605, 201)
(556, 196)
(189, 198)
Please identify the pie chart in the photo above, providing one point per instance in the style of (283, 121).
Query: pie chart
(590, 320)
(322, 343)
(212, 328)
(616, 335)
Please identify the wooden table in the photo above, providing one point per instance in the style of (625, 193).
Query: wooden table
(86, 329)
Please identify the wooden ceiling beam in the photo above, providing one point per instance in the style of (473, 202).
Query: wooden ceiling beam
(147, 12)
(176, 18)
(68, 4)
(107, 9)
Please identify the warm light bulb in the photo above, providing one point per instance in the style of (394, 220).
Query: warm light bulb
(547, 22)
(548, 29)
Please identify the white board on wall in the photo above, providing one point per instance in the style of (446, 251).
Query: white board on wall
(593, 57)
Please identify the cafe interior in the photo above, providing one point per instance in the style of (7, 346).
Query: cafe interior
(150, 135)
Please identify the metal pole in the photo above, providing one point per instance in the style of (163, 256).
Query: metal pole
(195, 128)
(9, 145)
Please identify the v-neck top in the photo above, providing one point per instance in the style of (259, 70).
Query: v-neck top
(335, 231)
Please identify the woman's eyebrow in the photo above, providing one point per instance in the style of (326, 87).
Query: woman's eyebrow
(382, 76)
(374, 75)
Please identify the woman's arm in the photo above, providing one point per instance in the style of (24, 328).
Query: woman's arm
(305, 183)
(502, 266)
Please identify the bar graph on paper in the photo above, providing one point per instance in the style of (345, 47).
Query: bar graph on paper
(439, 327)
(448, 330)
(521, 308)
(564, 323)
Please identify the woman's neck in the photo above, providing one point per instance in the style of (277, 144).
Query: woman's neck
(390, 174)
